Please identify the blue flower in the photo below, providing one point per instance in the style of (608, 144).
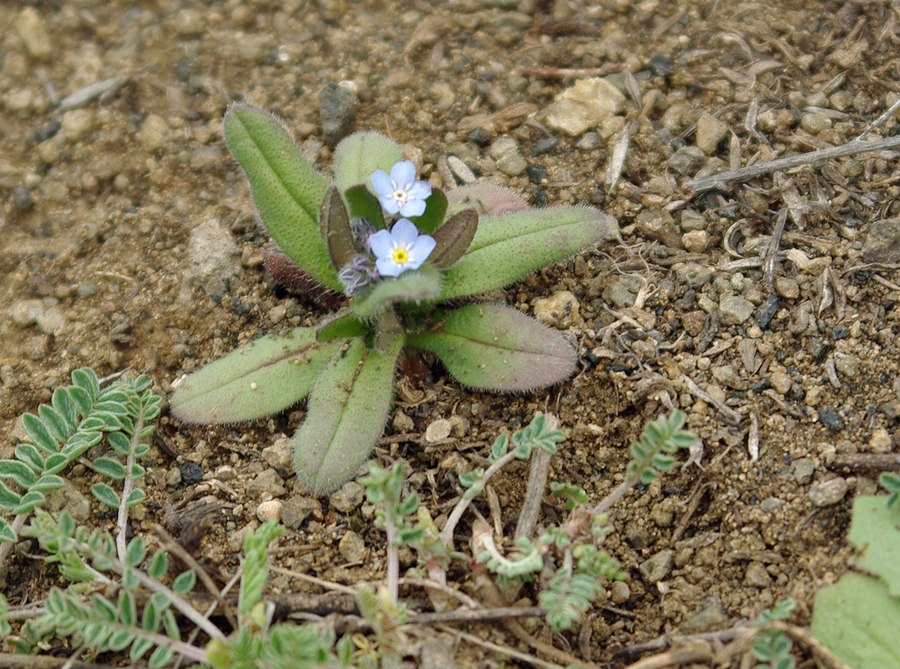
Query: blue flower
(399, 191)
(400, 249)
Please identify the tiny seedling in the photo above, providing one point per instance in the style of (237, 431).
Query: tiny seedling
(403, 255)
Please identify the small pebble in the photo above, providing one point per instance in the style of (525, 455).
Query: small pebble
(191, 472)
(270, 509)
(767, 311)
(695, 241)
(536, 173)
(830, 418)
(338, 104)
(828, 493)
(481, 136)
(352, 547)
(687, 160)
(734, 309)
(33, 30)
(803, 470)
(438, 430)
(658, 224)
(757, 576)
(560, 310)
(76, 124)
(588, 141)
(787, 287)
(880, 441)
(619, 592)
(657, 567)
(298, 508)
(544, 145)
(780, 381)
(710, 131)
(348, 497)
(21, 198)
(814, 122)
(280, 456)
(267, 483)
(155, 133)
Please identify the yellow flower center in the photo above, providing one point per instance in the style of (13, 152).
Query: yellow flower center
(400, 256)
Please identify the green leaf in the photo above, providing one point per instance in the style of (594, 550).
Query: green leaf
(362, 204)
(54, 422)
(39, 434)
(184, 582)
(358, 155)
(875, 530)
(160, 657)
(858, 620)
(495, 347)
(109, 467)
(7, 534)
(8, 498)
(334, 223)
(434, 214)
(86, 379)
(414, 286)
(159, 565)
(454, 238)
(29, 502)
(64, 404)
(30, 455)
(135, 497)
(347, 412)
(106, 495)
(287, 190)
(264, 377)
(508, 247)
(135, 552)
(340, 327)
(17, 471)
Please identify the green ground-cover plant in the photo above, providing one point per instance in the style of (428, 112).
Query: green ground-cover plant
(403, 254)
(80, 420)
(858, 617)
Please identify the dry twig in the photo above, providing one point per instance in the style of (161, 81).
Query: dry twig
(722, 179)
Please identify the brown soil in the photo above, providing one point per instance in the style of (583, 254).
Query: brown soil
(96, 216)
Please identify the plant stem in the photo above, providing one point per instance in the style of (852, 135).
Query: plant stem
(6, 547)
(393, 559)
(468, 496)
(534, 494)
(613, 497)
(127, 487)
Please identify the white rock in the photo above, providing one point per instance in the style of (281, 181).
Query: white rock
(584, 106)
(269, 509)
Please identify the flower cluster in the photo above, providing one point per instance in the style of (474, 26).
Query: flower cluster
(398, 248)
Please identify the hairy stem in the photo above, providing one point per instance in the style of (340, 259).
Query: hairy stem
(393, 559)
(463, 504)
(6, 547)
(618, 493)
(127, 487)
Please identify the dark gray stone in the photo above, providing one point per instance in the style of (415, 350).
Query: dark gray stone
(337, 111)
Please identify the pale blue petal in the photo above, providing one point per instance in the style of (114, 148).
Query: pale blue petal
(382, 244)
(382, 183)
(412, 208)
(389, 204)
(420, 250)
(404, 233)
(387, 267)
(403, 173)
(420, 190)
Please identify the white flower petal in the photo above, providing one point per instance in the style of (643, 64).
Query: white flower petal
(389, 204)
(404, 233)
(420, 190)
(403, 173)
(421, 249)
(387, 267)
(412, 208)
(382, 183)
(382, 244)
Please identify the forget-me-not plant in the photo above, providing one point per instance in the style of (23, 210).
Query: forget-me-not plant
(409, 259)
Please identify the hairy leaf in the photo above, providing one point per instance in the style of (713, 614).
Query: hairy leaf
(858, 620)
(487, 199)
(875, 530)
(264, 377)
(358, 155)
(415, 286)
(435, 211)
(287, 190)
(347, 412)
(495, 347)
(363, 204)
(508, 247)
(454, 238)
(334, 222)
